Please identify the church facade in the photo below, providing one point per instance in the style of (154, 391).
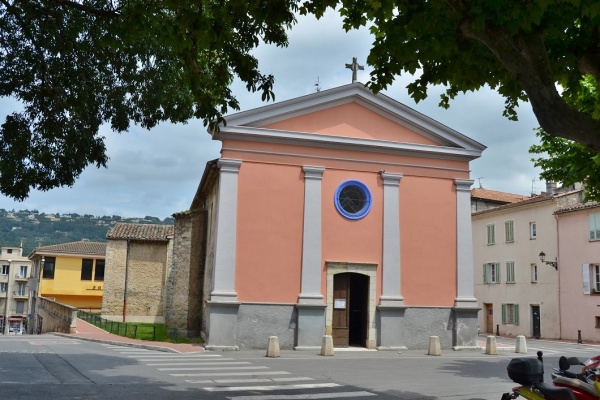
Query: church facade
(339, 213)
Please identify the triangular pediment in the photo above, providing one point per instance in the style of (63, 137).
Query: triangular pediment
(349, 115)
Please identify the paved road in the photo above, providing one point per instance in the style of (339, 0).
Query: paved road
(52, 367)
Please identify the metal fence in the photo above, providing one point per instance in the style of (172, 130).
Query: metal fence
(154, 332)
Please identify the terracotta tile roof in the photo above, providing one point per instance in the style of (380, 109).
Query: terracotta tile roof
(82, 247)
(527, 201)
(149, 232)
(577, 207)
(500, 197)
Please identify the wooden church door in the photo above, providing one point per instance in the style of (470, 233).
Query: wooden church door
(350, 309)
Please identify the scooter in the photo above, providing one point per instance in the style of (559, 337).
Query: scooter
(529, 373)
(585, 385)
(591, 364)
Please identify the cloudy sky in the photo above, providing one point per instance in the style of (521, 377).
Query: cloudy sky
(157, 172)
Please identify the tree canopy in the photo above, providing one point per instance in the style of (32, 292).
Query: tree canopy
(568, 162)
(77, 64)
(526, 50)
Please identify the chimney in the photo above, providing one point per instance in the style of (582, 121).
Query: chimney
(550, 188)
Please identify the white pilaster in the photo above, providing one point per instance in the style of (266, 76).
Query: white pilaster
(311, 239)
(391, 293)
(464, 246)
(225, 249)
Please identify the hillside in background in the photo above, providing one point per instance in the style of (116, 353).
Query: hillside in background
(33, 229)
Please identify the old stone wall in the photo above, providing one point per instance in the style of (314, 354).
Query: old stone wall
(209, 265)
(146, 281)
(569, 200)
(184, 282)
(141, 280)
(114, 279)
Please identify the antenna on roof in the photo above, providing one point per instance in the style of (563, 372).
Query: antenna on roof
(318, 85)
(533, 186)
(479, 179)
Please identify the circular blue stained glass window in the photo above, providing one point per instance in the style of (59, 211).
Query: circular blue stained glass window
(353, 199)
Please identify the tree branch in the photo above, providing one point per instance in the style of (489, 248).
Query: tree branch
(526, 58)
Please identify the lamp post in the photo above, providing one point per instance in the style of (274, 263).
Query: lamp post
(551, 263)
(6, 331)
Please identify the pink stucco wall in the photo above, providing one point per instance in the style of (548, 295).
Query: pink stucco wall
(269, 238)
(271, 206)
(351, 120)
(428, 236)
(577, 310)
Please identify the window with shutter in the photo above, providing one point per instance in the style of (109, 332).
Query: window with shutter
(510, 314)
(491, 234)
(594, 226)
(510, 272)
(491, 273)
(509, 231)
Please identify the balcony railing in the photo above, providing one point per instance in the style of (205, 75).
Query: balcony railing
(21, 277)
(20, 293)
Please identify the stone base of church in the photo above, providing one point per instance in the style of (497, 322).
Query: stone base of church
(390, 321)
(466, 324)
(222, 325)
(311, 326)
(247, 326)
(258, 321)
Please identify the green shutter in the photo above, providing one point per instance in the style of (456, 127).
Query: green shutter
(485, 277)
(498, 280)
(510, 272)
(503, 314)
(516, 307)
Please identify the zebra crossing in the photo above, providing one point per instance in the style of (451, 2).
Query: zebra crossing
(218, 373)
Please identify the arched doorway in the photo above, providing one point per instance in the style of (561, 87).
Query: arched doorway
(350, 318)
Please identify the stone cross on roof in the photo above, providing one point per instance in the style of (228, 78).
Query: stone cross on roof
(354, 67)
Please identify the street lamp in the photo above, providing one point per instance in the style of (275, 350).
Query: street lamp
(6, 301)
(551, 263)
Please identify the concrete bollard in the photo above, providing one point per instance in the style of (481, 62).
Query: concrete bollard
(434, 346)
(490, 345)
(327, 346)
(273, 347)
(521, 346)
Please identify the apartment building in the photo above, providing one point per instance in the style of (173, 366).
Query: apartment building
(515, 248)
(71, 273)
(14, 290)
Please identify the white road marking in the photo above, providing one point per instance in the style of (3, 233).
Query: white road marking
(272, 387)
(202, 363)
(209, 368)
(44, 342)
(158, 357)
(197, 362)
(304, 396)
(254, 380)
(253, 373)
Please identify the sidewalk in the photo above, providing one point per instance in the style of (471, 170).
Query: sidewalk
(87, 331)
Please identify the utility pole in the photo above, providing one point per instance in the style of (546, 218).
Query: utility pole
(8, 286)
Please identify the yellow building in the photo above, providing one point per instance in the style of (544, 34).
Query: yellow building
(72, 273)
